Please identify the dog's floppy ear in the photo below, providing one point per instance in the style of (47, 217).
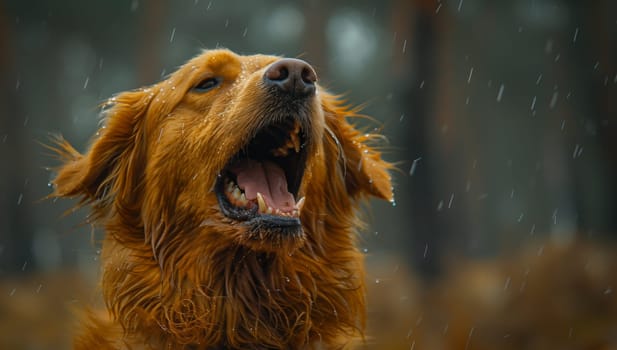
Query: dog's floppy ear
(364, 170)
(114, 164)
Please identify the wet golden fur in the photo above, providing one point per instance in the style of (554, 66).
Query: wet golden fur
(176, 272)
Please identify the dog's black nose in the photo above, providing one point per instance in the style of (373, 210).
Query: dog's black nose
(292, 76)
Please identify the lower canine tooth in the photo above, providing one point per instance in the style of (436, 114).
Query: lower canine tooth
(300, 204)
(261, 202)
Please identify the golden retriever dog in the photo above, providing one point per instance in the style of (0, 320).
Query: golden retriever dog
(228, 194)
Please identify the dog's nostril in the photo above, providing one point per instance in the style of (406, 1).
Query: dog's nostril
(292, 76)
(308, 75)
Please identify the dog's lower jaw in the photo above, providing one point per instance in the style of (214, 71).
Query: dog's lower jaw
(267, 236)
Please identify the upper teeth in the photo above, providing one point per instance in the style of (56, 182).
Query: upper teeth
(292, 143)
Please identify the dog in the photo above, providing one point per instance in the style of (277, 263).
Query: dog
(228, 194)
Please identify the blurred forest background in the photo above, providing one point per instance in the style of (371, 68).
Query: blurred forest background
(501, 116)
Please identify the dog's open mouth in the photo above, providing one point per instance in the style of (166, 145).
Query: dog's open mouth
(261, 182)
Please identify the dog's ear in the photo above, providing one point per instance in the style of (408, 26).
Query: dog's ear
(364, 170)
(113, 166)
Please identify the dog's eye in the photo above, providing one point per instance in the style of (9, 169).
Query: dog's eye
(207, 85)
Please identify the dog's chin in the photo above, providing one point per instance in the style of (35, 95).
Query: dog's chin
(258, 188)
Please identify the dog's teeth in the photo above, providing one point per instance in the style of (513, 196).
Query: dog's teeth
(300, 205)
(296, 129)
(269, 210)
(243, 200)
(262, 203)
(236, 193)
(294, 142)
(279, 152)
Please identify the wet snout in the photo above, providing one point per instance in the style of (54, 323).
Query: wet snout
(292, 77)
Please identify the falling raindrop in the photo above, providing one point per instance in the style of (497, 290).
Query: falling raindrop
(469, 338)
(414, 165)
(500, 93)
(554, 99)
(173, 34)
(575, 35)
(533, 103)
(507, 283)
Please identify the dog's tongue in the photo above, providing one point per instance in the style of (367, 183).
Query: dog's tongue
(266, 178)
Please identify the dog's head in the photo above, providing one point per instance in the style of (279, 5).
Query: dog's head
(230, 153)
